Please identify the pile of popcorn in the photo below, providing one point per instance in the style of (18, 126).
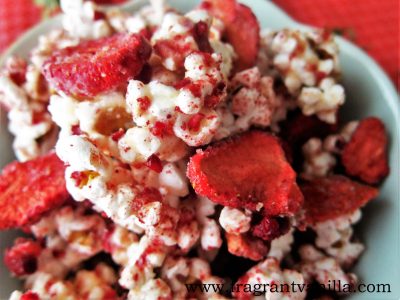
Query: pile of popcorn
(126, 153)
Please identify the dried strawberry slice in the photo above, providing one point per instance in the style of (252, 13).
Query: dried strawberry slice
(242, 28)
(365, 156)
(333, 196)
(271, 228)
(97, 66)
(246, 246)
(29, 295)
(299, 128)
(29, 189)
(21, 259)
(249, 170)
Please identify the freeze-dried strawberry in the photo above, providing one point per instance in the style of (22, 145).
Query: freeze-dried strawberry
(247, 171)
(29, 295)
(271, 228)
(246, 246)
(241, 28)
(200, 33)
(333, 196)
(97, 66)
(16, 68)
(21, 259)
(29, 189)
(299, 128)
(365, 156)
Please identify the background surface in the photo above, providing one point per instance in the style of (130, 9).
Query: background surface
(372, 24)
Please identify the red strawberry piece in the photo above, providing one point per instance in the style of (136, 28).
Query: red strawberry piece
(97, 66)
(16, 69)
(246, 171)
(21, 259)
(29, 295)
(299, 128)
(29, 189)
(271, 228)
(200, 33)
(333, 196)
(365, 156)
(154, 163)
(246, 246)
(242, 28)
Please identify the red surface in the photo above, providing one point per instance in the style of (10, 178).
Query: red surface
(375, 23)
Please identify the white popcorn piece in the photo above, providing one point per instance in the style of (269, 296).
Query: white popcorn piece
(234, 220)
(208, 124)
(323, 101)
(307, 76)
(28, 120)
(174, 180)
(282, 245)
(95, 284)
(177, 271)
(154, 289)
(318, 162)
(324, 269)
(144, 257)
(268, 272)
(334, 237)
(319, 159)
(79, 20)
(210, 235)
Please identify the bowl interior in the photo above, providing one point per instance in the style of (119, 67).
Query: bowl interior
(369, 93)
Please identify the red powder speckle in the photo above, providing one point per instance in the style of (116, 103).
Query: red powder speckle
(76, 130)
(161, 128)
(144, 103)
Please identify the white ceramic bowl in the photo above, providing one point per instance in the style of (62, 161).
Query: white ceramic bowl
(369, 92)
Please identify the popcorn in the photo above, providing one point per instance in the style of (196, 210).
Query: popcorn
(234, 220)
(181, 110)
(306, 75)
(96, 284)
(255, 103)
(28, 121)
(282, 245)
(173, 180)
(324, 269)
(153, 289)
(323, 101)
(144, 257)
(80, 20)
(334, 236)
(210, 236)
(117, 241)
(318, 161)
(205, 126)
(179, 271)
(268, 272)
(319, 155)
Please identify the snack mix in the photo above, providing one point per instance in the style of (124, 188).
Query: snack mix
(158, 150)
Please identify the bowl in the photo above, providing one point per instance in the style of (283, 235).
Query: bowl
(369, 93)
